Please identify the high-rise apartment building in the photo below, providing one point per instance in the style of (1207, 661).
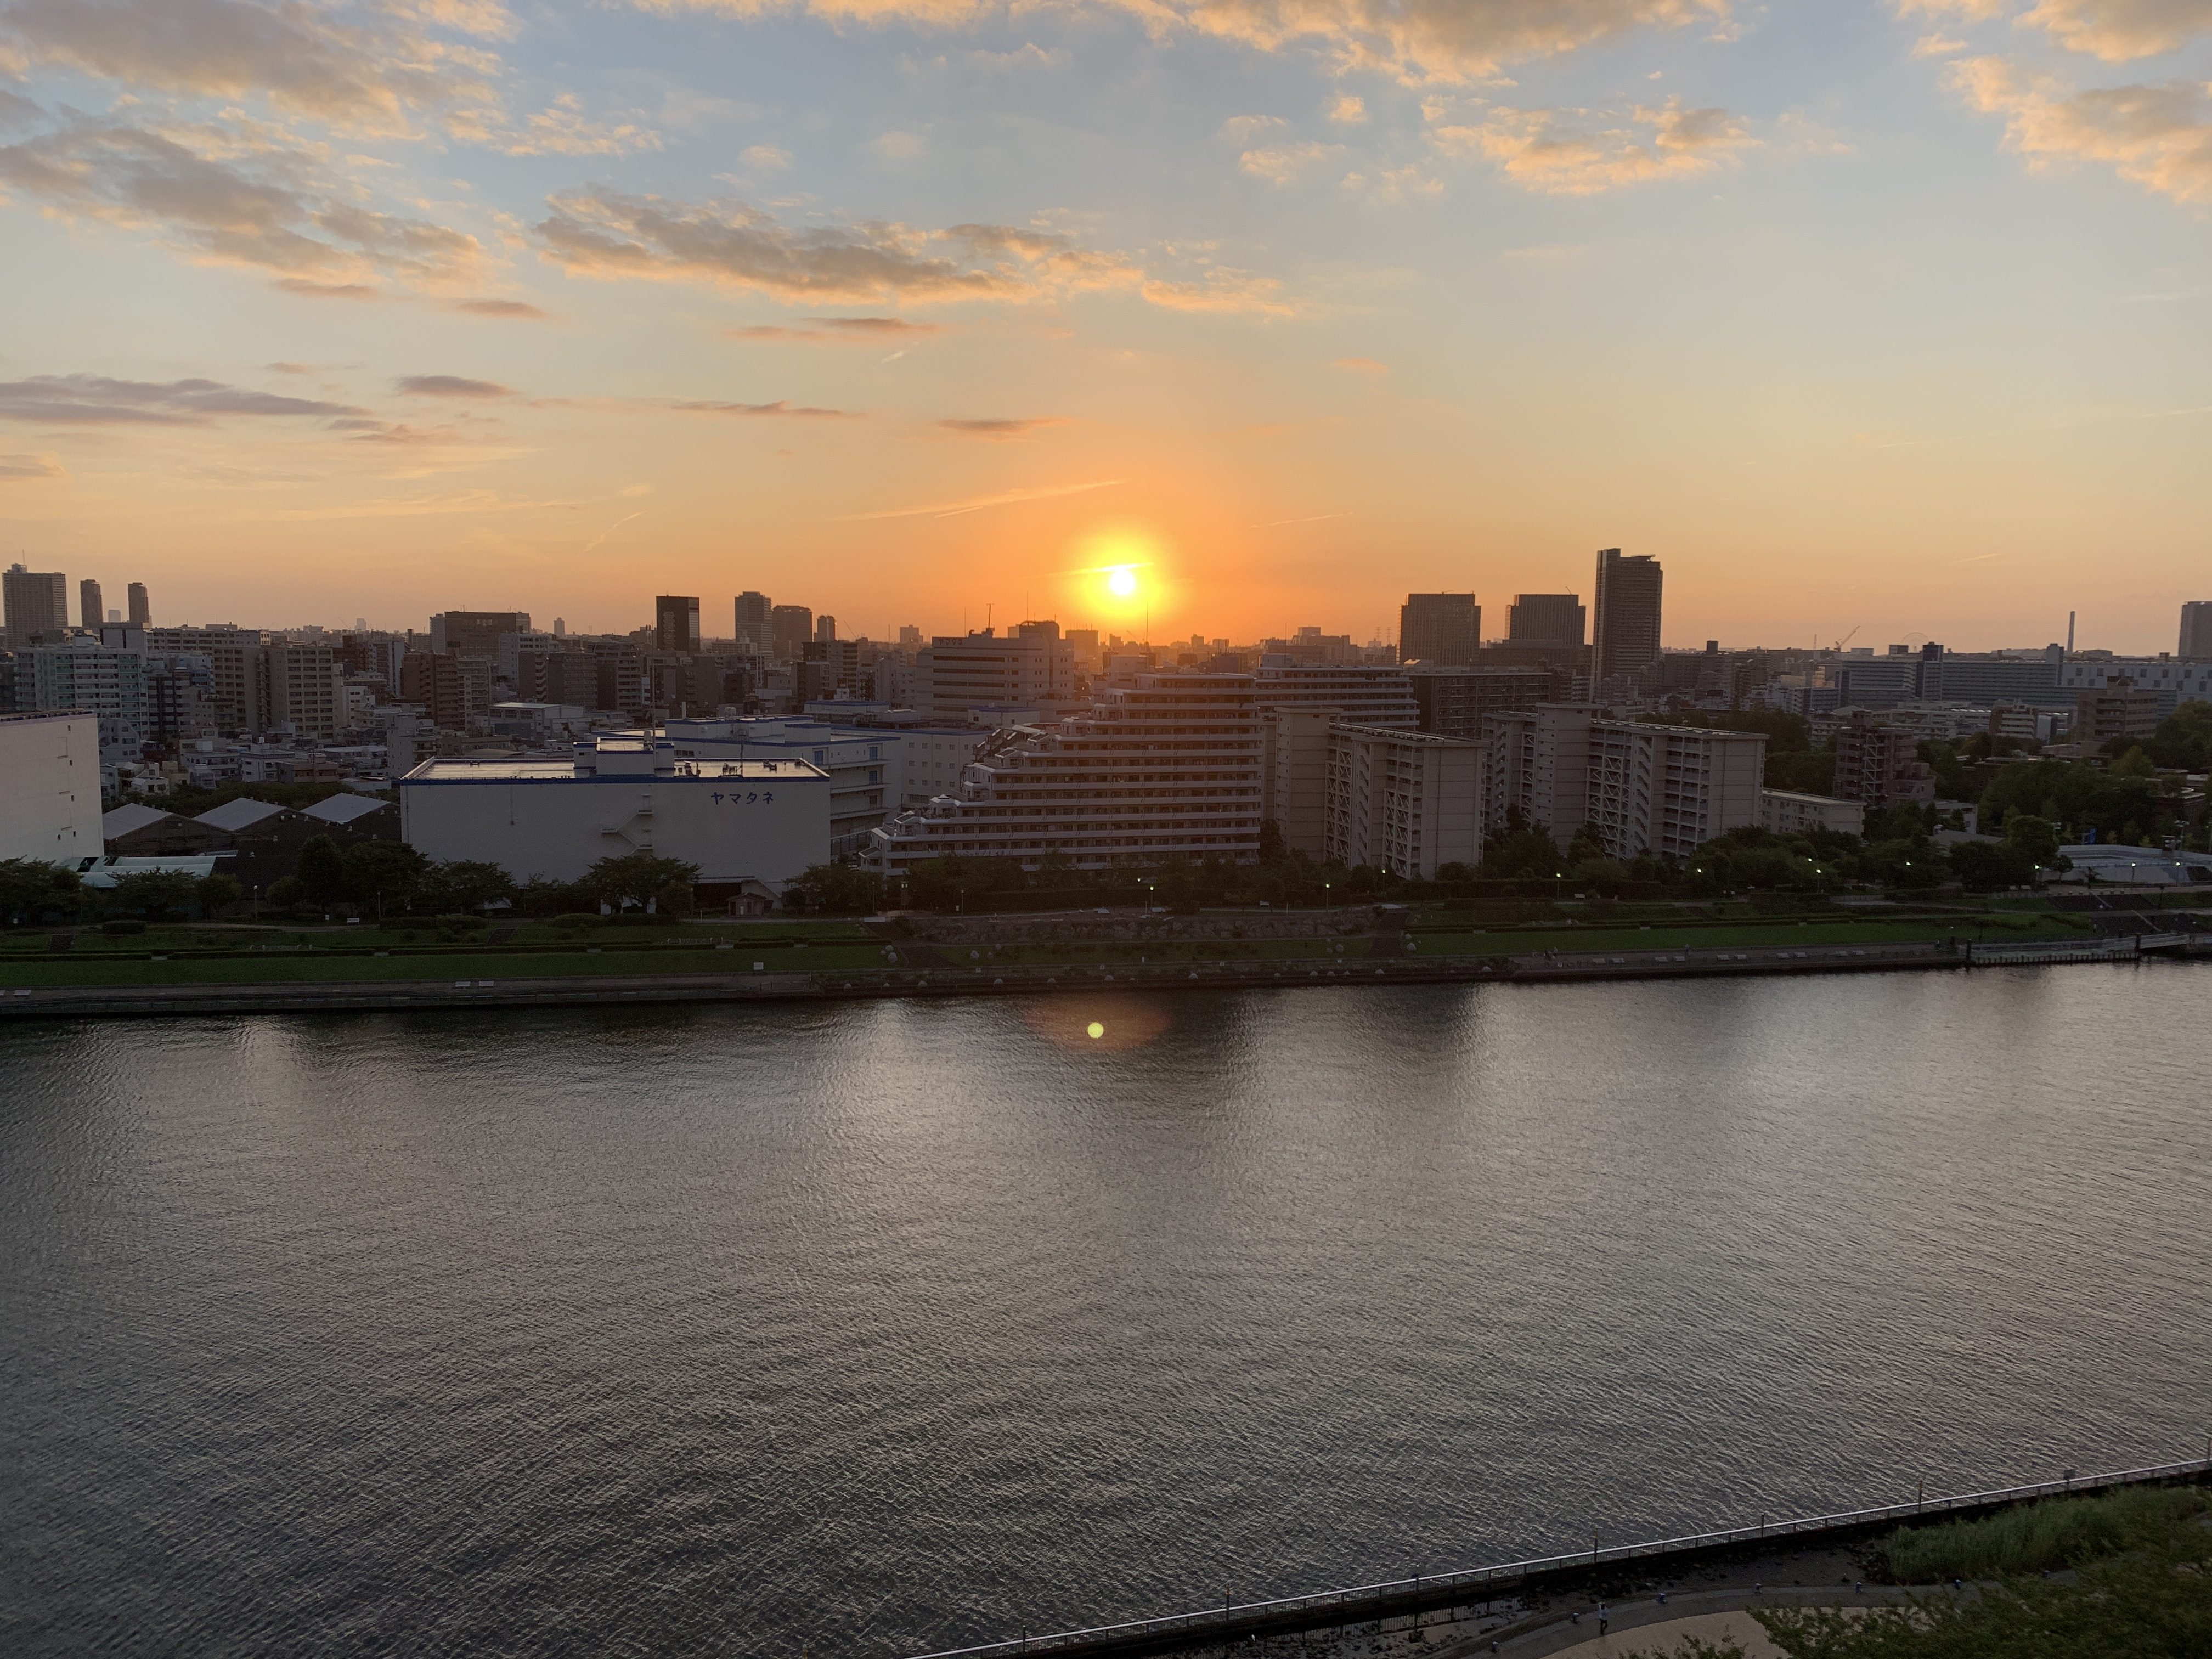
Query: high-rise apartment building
(90, 607)
(81, 673)
(1404, 801)
(1364, 695)
(1559, 619)
(825, 628)
(1879, 763)
(676, 623)
(756, 636)
(1663, 789)
(1625, 639)
(2196, 630)
(35, 602)
(1443, 630)
(1166, 767)
(1454, 702)
(475, 633)
(141, 609)
(306, 689)
(790, 627)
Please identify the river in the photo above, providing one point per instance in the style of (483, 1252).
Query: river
(885, 1326)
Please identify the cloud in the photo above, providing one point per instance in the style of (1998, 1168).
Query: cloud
(1414, 40)
(896, 146)
(367, 76)
(1550, 151)
(14, 468)
(95, 401)
(561, 128)
(2157, 136)
(1348, 111)
(504, 308)
(232, 193)
(1363, 365)
(705, 406)
(1244, 129)
(764, 158)
(1002, 429)
(451, 386)
(2120, 31)
(1285, 164)
(976, 504)
(307, 290)
(836, 331)
(610, 235)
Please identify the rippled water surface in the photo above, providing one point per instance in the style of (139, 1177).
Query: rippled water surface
(886, 1325)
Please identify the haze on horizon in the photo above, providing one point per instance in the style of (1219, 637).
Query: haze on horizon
(1885, 314)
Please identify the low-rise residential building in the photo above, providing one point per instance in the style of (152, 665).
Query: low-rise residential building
(1879, 764)
(1788, 812)
(50, 803)
(750, 825)
(2118, 708)
(1407, 802)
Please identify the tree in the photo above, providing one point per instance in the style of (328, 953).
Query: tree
(1589, 843)
(213, 892)
(835, 889)
(384, 875)
(1271, 846)
(321, 870)
(461, 884)
(1521, 849)
(2135, 763)
(2184, 739)
(30, 889)
(1988, 867)
(635, 877)
(155, 894)
(2035, 839)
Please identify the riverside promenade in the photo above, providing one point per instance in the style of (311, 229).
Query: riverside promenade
(944, 976)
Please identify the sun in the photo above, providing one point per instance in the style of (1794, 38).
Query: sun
(1122, 582)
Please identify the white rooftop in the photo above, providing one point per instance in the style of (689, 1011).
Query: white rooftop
(124, 820)
(239, 814)
(345, 809)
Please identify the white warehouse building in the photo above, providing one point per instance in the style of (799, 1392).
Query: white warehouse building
(50, 807)
(749, 825)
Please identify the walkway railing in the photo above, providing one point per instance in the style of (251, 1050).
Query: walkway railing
(1294, 1613)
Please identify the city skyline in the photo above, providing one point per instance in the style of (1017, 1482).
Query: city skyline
(1878, 316)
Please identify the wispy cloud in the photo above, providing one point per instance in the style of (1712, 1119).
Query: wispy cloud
(976, 504)
(593, 545)
(451, 386)
(1002, 428)
(16, 469)
(96, 400)
(2157, 136)
(834, 330)
(1569, 153)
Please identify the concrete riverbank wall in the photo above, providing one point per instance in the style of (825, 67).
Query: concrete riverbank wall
(523, 990)
(1602, 1569)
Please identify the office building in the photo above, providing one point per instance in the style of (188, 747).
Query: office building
(2174, 681)
(1365, 694)
(475, 633)
(790, 627)
(1553, 619)
(35, 604)
(1404, 801)
(50, 810)
(1661, 789)
(1031, 668)
(2118, 709)
(1879, 764)
(1877, 681)
(1453, 702)
(142, 609)
(90, 613)
(748, 825)
(1986, 679)
(755, 635)
(676, 623)
(1164, 767)
(825, 628)
(2196, 630)
(1790, 812)
(1625, 639)
(1443, 630)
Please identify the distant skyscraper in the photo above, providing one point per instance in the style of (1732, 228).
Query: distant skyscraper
(36, 602)
(475, 633)
(142, 611)
(676, 623)
(755, 636)
(1626, 636)
(91, 609)
(2196, 628)
(825, 628)
(790, 626)
(1442, 629)
(1548, 619)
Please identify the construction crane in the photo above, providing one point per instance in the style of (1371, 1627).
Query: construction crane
(1838, 647)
